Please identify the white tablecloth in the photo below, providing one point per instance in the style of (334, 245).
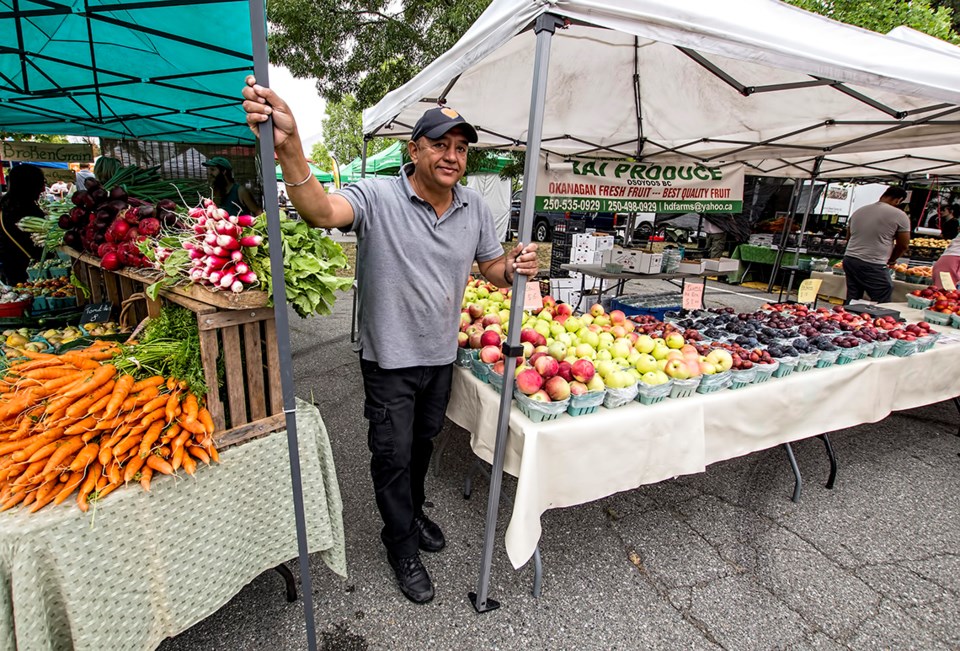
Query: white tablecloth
(834, 285)
(571, 461)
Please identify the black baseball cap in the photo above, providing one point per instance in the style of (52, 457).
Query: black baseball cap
(437, 121)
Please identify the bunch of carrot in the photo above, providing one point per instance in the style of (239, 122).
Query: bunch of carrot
(71, 423)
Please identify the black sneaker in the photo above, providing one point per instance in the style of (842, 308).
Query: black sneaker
(412, 577)
(431, 537)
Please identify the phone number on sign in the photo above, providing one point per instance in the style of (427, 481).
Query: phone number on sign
(571, 205)
(631, 206)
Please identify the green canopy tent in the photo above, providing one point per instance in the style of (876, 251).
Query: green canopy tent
(163, 70)
(383, 163)
(323, 177)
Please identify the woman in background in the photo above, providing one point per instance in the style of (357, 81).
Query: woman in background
(25, 185)
(949, 260)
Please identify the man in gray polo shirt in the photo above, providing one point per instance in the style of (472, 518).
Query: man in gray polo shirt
(877, 235)
(417, 237)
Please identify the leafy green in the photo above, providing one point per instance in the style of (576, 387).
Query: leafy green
(310, 263)
(170, 345)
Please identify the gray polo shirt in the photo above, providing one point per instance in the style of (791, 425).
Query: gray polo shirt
(873, 230)
(412, 268)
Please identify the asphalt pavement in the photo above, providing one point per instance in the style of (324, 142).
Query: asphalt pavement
(720, 560)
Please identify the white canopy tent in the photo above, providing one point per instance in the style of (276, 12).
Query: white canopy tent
(673, 81)
(688, 79)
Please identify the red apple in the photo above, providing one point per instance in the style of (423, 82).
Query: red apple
(578, 388)
(565, 371)
(490, 338)
(582, 370)
(529, 381)
(489, 354)
(557, 388)
(546, 366)
(463, 339)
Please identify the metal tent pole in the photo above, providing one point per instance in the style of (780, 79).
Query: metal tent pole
(787, 223)
(803, 223)
(258, 31)
(544, 28)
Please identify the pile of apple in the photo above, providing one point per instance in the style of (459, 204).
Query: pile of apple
(944, 302)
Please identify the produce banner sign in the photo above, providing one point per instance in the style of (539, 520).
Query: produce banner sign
(586, 185)
(45, 152)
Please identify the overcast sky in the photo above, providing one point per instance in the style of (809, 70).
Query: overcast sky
(308, 107)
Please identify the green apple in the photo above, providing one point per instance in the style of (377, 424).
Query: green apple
(497, 297)
(542, 327)
(620, 350)
(604, 354)
(660, 351)
(572, 324)
(633, 356)
(596, 383)
(644, 343)
(605, 367)
(606, 337)
(585, 351)
(721, 359)
(646, 363)
(556, 329)
(674, 340)
(676, 369)
(557, 350)
(634, 373)
(589, 337)
(545, 315)
(602, 320)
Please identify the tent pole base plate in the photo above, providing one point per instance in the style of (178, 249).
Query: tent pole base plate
(492, 604)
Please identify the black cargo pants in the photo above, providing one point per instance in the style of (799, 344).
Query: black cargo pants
(405, 408)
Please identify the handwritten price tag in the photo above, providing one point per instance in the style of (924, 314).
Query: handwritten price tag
(692, 296)
(532, 300)
(808, 290)
(947, 281)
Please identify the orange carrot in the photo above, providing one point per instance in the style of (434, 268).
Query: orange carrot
(81, 407)
(49, 373)
(170, 410)
(146, 474)
(85, 457)
(190, 407)
(194, 427)
(199, 453)
(99, 377)
(32, 471)
(150, 437)
(176, 459)
(68, 487)
(106, 490)
(88, 485)
(127, 444)
(204, 417)
(132, 468)
(67, 448)
(214, 455)
(149, 382)
(120, 392)
(37, 442)
(189, 465)
(85, 425)
(171, 383)
(158, 464)
(13, 500)
(113, 473)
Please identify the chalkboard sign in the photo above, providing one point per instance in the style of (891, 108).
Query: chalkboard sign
(97, 313)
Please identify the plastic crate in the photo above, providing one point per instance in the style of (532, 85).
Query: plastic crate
(464, 357)
(714, 383)
(955, 320)
(827, 358)
(905, 348)
(570, 226)
(480, 370)
(495, 380)
(742, 378)
(918, 302)
(39, 304)
(807, 361)
(848, 355)
(540, 411)
(787, 366)
(556, 271)
(765, 371)
(684, 388)
(882, 348)
(651, 394)
(648, 307)
(586, 403)
(936, 318)
(614, 398)
(926, 343)
(13, 310)
(58, 272)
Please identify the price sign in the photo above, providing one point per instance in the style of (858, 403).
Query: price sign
(532, 300)
(692, 296)
(96, 313)
(808, 290)
(947, 281)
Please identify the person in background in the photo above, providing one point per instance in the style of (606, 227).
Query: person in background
(418, 235)
(59, 190)
(877, 235)
(83, 174)
(105, 169)
(25, 185)
(227, 193)
(282, 199)
(949, 260)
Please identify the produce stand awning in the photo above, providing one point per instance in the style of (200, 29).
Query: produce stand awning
(125, 68)
(688, 81)
(386, 163)
(323, 177)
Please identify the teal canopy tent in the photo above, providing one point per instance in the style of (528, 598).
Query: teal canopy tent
(141, 69)
(383, 163)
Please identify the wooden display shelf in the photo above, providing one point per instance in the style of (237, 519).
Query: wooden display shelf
(250, 299)
(240, 328)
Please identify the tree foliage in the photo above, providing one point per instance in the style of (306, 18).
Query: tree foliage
(933, 18)
(343, 131)
(39, 137)
(321, 156)
(364, 48)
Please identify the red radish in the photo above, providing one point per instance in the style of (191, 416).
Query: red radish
(241, 268)
(111, 262)
(236, 287)
(248, 277)
(226, 280)
(251, 240)
(149, 226)
(228, 242)
(214, 277)
(236, 255)
(246, 221)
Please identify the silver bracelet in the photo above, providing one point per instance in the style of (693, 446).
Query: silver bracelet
(296, 185)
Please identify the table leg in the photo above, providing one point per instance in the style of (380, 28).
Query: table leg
(956, 402)
(798, 484)
(537, 573)
(833, 460)
(291, 585)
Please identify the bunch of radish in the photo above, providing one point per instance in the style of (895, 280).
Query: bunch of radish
(216, 248)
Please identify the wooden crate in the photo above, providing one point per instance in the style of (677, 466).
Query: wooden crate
(240, 326)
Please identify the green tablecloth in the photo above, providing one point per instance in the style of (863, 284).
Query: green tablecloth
(146, 566)
(765, 255)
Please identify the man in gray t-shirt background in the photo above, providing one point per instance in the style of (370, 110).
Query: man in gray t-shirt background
(417, 237)
(877, 235)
